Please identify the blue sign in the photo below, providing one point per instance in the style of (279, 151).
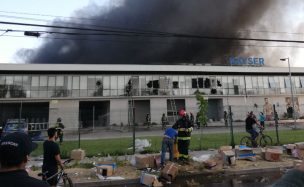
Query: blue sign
(251, 61)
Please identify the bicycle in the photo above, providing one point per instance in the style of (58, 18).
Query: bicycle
(62, 177)
(264, 140)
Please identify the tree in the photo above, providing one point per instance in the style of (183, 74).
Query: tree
(202, 108)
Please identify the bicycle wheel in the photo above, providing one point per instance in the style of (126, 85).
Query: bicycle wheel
(246, 140)
(265, 140)
(67, 182)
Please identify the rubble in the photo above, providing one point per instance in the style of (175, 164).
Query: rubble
(112, 168)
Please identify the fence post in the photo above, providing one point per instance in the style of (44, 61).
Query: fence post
(276, 124)
(232, 143)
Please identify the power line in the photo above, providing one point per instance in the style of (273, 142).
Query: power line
(150, 42)
(86, 25)
(175, 35)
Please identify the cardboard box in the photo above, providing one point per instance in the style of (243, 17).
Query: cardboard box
(147, 161)
(170, 171)
(142, 161)
(229, 158)
(273, 155)
(289, 148)
(105, 170)
(147, 179)
(298, 153)
(243, 152)
(156, 183)
(77, 154)
(224, 148)
(107, 163)
(209, 163)
(300, 145)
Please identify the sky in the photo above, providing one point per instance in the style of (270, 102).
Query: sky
(65, 8)
(282, 19)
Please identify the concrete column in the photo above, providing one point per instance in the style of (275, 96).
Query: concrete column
(67, 110)
(191, 105)
(158, 107)
(119, 111)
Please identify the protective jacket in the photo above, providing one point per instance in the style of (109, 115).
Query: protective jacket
(184, 128)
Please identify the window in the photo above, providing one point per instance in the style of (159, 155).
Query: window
(194, 83)
(302, 82)
(272, 83)
(175, 84)
(200, 82)
(59, 81)
(75, 83)
(287, 82)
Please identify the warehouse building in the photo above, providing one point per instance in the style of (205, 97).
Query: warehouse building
(100, 95)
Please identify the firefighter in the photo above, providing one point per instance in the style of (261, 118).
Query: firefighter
(184, 128)
(59, 127)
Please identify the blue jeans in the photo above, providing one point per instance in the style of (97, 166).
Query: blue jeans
(167, 143)
(254, 134)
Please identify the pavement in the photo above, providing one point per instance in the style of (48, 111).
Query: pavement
(214, 127)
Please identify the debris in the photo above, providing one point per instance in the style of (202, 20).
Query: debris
(110, 178)
(273, 155)
(147, 179)
(77, 154)
(170, 171)
(147, 161)
(105, 170)
(228, 158)
(289, 148)
(224, 148)
(300, 145)
(107, 163)
(210, 163)
(244, 152)
(202, 158)
(140, 144)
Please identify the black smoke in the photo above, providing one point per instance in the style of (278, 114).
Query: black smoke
(221, 18)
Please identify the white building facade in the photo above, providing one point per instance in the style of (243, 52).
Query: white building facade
(96, 95)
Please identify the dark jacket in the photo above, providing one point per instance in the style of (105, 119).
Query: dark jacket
(184, 128)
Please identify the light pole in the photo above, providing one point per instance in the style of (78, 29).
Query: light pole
(291, 91)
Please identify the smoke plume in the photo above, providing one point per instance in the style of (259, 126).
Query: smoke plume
(220, 18)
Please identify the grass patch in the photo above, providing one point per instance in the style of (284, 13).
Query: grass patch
(119, 146)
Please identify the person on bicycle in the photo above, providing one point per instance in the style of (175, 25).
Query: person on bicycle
(51, 157)
(250, 122)
(15, 149)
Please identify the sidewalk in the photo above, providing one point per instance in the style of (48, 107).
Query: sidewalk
(215, 127)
